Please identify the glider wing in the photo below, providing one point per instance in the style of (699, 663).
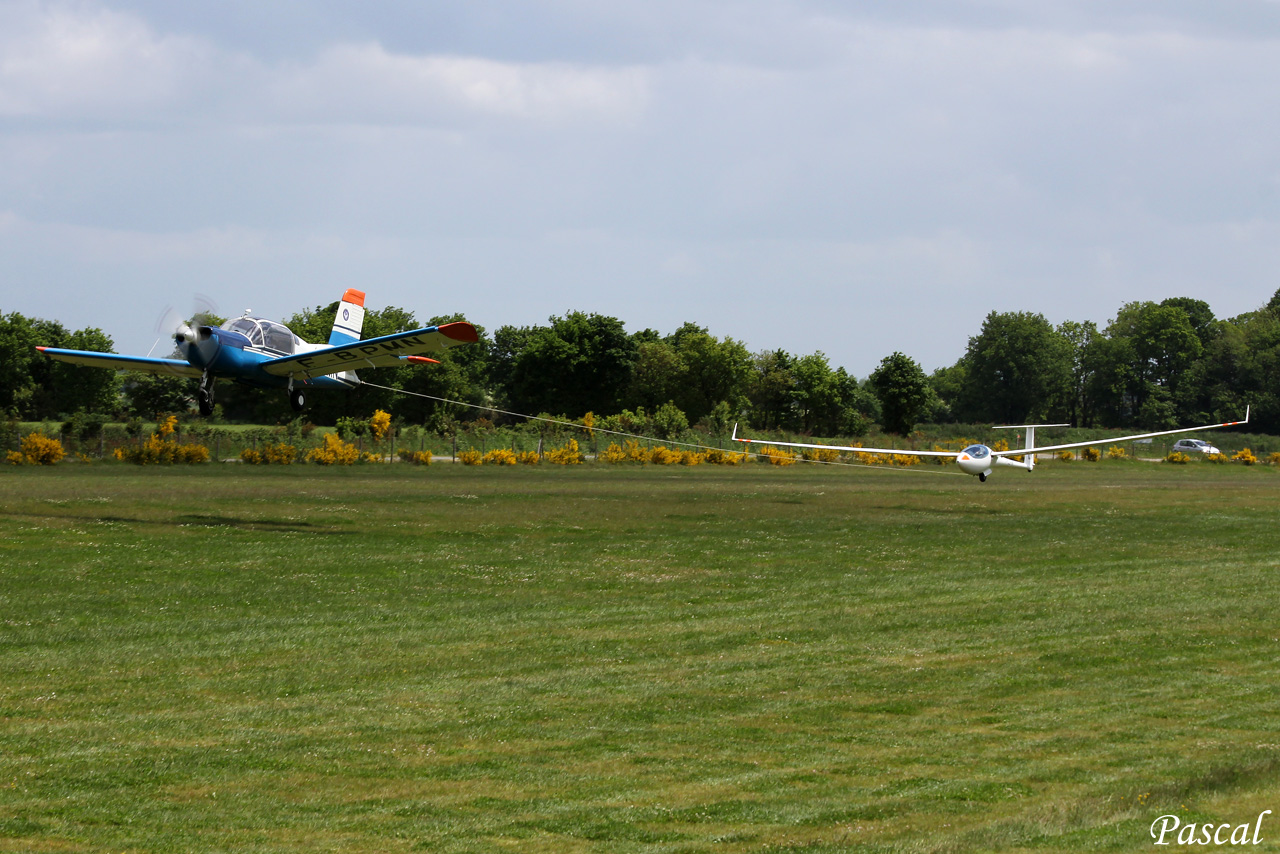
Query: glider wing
(908, 453)
(114, 361)
(1047, 448)
(373, 352)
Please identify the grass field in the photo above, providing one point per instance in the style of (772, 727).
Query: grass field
(635, 659)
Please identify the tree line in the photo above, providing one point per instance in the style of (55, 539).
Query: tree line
(1154, 366)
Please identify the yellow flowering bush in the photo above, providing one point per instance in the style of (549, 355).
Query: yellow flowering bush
(500, 457)
(272, 453)
(1216, 458)
(664, 456)
(725, 458)
(380, 424)
(1065, 456)
(163, 451)
(612, 454)
(1115, 452)
(1003, 445)
(820, 455)
(1244, 455)
(777, 456)
(334, 452)
(528, 458)
(37, 450)
(470, 457)
(418, 458)
(568, 455)
(1177, 457)
(1274, 458)
(1090, 454)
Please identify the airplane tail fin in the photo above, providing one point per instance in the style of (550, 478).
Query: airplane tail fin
(349, 321)
(1028, 460)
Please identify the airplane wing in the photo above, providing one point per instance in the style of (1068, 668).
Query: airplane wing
(373, 352)
(1047, 448)
(146, 364)
(857, 449)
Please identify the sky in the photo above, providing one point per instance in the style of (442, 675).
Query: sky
(854, 178)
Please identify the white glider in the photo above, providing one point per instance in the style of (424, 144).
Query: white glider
(979, 460)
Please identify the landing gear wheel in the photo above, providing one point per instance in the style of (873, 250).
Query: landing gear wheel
(982, 477)
(297, 399)
(204, 398)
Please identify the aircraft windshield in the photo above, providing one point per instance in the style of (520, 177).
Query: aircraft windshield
(977, 451)
(263, 333)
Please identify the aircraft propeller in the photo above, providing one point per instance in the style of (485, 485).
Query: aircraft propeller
(188, 332)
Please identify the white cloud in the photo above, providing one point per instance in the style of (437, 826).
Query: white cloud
(84, 62)
(366, 83)
(973, 155)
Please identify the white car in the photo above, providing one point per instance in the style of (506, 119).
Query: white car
(1195, 446)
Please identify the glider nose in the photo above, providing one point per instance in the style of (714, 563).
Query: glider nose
(976, 459)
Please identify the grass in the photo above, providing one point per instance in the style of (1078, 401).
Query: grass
(634, 659)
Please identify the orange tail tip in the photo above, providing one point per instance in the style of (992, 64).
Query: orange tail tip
(354, 297)
(422, 360)
(460, 331)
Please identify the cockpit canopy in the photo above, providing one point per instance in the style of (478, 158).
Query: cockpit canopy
(266, 334)
(977, 452)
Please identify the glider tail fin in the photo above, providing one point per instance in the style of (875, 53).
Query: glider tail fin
(1028, 460)
(349, 321)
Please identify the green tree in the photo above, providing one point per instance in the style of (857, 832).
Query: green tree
(903, 389)
(712, 371)
(1078, 402)
(149, 395)
(657, 375)
(772, 390)
(580, 363)
(461, 376)
(34, 386)
(1158, 344)
(1018, 367)
(669, 422)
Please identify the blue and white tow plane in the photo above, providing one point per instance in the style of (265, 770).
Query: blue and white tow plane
(264, 353)
(980, 460)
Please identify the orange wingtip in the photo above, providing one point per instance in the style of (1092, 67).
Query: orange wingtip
(41, 349)
(422, 360)
(354, 297)
(460, 331)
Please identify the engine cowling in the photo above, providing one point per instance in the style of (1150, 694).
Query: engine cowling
(199, 346)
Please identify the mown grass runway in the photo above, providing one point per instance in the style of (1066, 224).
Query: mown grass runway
(635, 659)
